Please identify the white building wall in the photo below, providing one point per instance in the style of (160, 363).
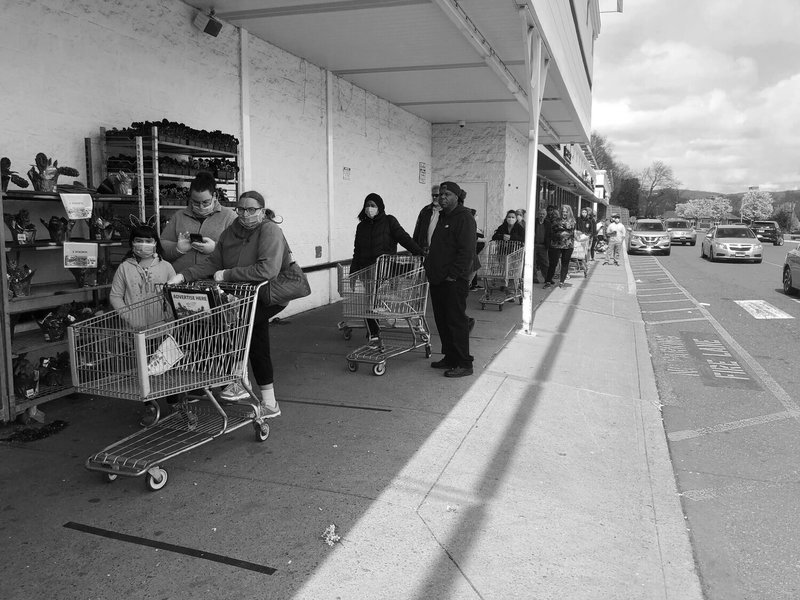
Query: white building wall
(72, 66)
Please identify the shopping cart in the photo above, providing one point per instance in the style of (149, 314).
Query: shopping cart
(580, 250)
(393, 290)
(116, 355)
(501, 271)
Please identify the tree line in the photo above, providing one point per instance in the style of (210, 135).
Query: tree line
(654, 190)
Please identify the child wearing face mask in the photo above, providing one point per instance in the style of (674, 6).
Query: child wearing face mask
(140, 277)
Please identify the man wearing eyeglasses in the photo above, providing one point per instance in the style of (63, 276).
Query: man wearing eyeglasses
(192, 232)
(426, 220)
(449, 266)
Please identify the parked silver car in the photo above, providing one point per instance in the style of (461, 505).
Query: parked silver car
(681, 231)
(731, 242)
(648, 236)
(791, 272)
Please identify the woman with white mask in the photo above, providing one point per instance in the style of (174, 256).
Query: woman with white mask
(378, 233)
(192, 233)
(253, 249)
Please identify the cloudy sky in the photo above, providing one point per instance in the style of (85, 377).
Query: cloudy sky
(709, 87)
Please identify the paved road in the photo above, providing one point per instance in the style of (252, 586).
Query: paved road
(724, 343)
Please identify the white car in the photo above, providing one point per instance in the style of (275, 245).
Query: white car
(681, 231)
(791, 272)
(648, 236)
(731, 242)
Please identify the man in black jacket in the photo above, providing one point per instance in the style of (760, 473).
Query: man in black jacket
(449, 267)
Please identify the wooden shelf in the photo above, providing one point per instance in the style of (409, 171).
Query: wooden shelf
(58, 245)
(124, 140)
(52, 294)
(33, 341)
(45, 394)
(31, 195)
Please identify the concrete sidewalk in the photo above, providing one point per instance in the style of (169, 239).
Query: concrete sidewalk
(546, 475)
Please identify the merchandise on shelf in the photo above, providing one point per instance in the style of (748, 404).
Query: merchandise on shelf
(9, 176)
(19, 279)
(44, 174)
(59, 228)
(22, 230)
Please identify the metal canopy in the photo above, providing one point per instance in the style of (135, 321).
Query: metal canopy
(442, 60)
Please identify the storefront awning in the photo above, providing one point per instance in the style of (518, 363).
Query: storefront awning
(553, 168)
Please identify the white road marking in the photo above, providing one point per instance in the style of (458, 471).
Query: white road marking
(675, 321)
(686, 434)
(666, 310)
(785, 399)
(734, 489)
(663, 301)
(761, 309)
(665, 294)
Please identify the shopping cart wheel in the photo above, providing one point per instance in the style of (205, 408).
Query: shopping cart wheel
(347, 333)
(262, 431)
(428, 351)
(156, 479)
(379, 369)
(352, 366)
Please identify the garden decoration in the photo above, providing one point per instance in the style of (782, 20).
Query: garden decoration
(44, 174)
(19, 279)
(10, 176)
(23, 231)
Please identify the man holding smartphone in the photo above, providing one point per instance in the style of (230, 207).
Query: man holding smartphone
(192, 232)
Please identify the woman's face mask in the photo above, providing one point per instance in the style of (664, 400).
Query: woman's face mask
(250, 218)
(144, 249)
(202, 203)
(371, 211)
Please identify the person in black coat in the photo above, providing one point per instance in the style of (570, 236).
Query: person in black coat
(378, 233)
(449, 266)
(510, 229)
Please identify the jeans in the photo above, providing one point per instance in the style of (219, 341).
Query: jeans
(554, 255)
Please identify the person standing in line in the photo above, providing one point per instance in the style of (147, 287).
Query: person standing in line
(449, 268)
(378, 233)
(252, 250)
(479, 246)
(541, 239)
(204, 217)
(615, 232)
(587, 226)
(521, 212)
(562, 242)
(426, 220)
(510, 230)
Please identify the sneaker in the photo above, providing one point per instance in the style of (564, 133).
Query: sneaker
(234, 393)
(269, 412)
(440, 364)
(458, 372)
(561, 284)
(548, 285)
(478, 286)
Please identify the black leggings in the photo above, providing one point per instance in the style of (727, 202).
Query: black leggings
(553, 256)
(260, 358)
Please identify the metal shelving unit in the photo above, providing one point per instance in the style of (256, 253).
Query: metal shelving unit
(44, 294)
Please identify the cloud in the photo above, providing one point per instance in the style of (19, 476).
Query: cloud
(711, 94)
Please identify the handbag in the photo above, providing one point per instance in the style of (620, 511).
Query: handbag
(290, 284)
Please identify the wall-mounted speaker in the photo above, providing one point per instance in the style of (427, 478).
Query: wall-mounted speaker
(208, 24)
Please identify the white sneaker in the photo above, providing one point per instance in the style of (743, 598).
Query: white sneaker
(234, 392)
(268, 412)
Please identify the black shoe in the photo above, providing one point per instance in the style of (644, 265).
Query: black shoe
(458, 372)
(471, 323)
(549, 284)
(440, 364)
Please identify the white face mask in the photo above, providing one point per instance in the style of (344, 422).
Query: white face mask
(144, 249)
(371, 211)
(203, 211)
(251, 221)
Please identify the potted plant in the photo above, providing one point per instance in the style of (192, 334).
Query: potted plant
(44, 174)
(23, 231)
(10, 176)
(59, 228)
(19, 279)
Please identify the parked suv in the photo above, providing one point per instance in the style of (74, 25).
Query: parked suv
(768, 231)
(681, 231)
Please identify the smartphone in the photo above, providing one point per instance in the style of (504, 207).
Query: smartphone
(195, 237)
